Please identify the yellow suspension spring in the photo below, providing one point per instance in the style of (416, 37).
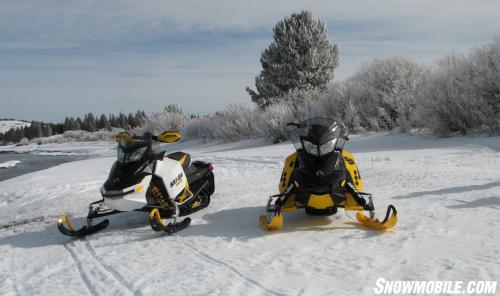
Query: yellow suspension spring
(158, 196)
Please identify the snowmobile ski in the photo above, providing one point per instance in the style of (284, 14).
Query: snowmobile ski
(271, 223)
(157, 223)
(85, 230)
(390, 220)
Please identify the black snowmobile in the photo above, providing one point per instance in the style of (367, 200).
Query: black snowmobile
(321, 177)
(168, 185)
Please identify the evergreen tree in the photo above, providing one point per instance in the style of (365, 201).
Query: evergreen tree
(47, 130)
(103, 122)
(300, 57)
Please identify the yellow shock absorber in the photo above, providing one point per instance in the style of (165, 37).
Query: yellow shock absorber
(158, 196)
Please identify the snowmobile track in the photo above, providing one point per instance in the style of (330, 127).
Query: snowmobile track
(99, 279)
(212, 260)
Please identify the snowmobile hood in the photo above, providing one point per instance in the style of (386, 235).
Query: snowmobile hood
(124, 175)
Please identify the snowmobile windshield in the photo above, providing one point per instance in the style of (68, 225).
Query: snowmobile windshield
(132, 151)
(317, 136)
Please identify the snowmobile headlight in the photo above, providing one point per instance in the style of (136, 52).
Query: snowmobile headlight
(310, 147)
(327, 147)
(136, 155)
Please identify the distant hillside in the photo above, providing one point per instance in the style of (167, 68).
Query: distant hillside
(6, 125)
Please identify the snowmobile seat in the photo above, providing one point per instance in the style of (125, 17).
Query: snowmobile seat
(183, 158)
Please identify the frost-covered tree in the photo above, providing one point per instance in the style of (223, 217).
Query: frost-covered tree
(485, 77)
(172, 118)
(385, 91)
(300, 57)
(449, 103)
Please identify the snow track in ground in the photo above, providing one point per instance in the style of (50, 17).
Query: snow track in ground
(447, 192)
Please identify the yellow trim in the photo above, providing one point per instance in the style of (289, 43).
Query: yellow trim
(276, 222)
(139, 188)
(351, 204)
(169, 137)
(123, 136)
(185, 194)
(155, 215)
(183, 159)
(377, 224)
(290, 205)
(322, 201)
(65, 218)
(287, 171)
(352, 169)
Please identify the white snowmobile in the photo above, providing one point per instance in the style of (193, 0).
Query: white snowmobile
(144, 180)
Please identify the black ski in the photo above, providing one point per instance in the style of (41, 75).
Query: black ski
(85, 230)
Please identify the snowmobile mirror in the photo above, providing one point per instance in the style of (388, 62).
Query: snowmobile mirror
(169, 137)
(123, 136)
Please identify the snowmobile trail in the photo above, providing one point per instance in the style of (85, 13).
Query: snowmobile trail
(99, 279)
(220, 263)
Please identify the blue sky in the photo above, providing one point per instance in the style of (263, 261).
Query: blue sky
(65, 58)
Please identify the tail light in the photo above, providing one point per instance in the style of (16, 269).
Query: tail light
(210, 166)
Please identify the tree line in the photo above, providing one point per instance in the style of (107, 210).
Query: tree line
(89, 123)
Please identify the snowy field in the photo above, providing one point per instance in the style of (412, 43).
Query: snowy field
(447, 192)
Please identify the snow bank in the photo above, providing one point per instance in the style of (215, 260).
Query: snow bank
(9, 164)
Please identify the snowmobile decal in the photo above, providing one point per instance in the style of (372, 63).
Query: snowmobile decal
(352, 169)
(287, 171)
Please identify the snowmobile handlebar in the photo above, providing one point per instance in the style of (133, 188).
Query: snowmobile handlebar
(165, 137)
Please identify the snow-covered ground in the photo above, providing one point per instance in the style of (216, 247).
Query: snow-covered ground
(9, 164)
(68, 148)
(447, 192)
(6, 125)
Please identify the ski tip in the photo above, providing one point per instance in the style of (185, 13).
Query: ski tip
(66, 227)
(276, 223)
(376, 224)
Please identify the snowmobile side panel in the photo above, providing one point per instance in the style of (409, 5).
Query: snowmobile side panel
(275, 223)
(321, 201)
(352, 169)
(133, 199)
(287, 171)
(172, 174)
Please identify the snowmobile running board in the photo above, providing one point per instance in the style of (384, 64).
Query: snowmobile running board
(157, 223)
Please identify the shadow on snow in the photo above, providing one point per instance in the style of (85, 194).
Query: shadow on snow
(239, 223)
